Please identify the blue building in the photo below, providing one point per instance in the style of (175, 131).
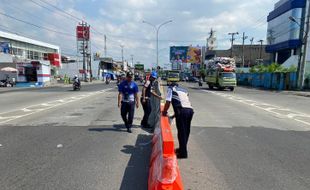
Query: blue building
(283, 35)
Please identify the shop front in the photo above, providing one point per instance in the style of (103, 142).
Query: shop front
(36, 72)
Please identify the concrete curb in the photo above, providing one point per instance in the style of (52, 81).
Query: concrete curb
(17, 89)
(296, 93)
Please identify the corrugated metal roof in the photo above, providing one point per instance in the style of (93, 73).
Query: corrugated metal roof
(27, 40)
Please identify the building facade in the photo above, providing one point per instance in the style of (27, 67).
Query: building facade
(34, 60)
(253, 54)
(284, 36)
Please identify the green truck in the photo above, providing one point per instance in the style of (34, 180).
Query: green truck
(173, 76)
(221, 74)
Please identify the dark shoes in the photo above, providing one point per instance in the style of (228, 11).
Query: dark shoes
(129, 130)
(180, 156)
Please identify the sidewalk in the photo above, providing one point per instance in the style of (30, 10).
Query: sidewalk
(305, 93)
(52, 85)
(298, 93)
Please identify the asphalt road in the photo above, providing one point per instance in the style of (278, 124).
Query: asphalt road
(248, 139)
(59, 139)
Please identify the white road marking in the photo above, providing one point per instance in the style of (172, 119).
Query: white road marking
(60, 146)
(45, 106)
(0, 145)
(275, 110)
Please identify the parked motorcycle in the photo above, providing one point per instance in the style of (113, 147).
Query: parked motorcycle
(5, 83)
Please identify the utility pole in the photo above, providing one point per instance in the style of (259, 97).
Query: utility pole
(232, 42)
(302, 64)
(84, 66)
(105, 46)
(243, 40)
(261, 49)
(122, 46)
(251, 47)
(131, 60)
(89, 62)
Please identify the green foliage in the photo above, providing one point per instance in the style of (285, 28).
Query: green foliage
(272, 68)
(202, 73)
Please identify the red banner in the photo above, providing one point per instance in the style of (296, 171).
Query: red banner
(54, 59)
(82, 33)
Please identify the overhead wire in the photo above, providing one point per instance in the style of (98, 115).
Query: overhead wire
(35, 25)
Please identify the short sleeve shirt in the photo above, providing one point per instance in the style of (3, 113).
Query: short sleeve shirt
(178, 97)
(128, 91)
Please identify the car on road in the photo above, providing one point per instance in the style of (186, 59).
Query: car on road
(193, 79)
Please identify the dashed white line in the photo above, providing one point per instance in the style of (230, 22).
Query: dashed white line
(267, 107)
(32, 109)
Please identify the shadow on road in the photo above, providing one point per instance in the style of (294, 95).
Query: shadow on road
(115, 127)
(136, 173)
(250, 157)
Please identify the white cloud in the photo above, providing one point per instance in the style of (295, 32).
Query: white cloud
(121, 21)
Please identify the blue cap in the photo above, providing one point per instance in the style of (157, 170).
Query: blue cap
(154, 74)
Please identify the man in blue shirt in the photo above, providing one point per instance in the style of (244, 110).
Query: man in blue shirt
(127, 100)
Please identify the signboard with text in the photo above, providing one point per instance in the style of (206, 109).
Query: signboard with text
(83, 33)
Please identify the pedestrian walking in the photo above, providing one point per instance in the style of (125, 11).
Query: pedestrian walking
(183, 112)
(146, 99)
(128, 100)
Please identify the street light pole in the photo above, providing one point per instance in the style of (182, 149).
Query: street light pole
(303, 52)
(157, 28)
(122, 46)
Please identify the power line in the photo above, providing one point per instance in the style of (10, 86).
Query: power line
(36, 3)
(37, 26)
(61, 10)
(29, 13)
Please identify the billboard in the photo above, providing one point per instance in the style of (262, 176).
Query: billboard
(82, 33)
(194, 55)
(4, 47)
(178, 54)
(139, 67)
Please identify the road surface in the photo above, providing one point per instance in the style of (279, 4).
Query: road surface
(248, 139)
(56, 138)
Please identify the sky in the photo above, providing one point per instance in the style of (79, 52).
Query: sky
(121, 22)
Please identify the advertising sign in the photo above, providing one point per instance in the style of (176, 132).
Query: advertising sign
(82, 33)
(4, 47)
(139, 67)
(54, 59)
(194, 55)
(178, 54)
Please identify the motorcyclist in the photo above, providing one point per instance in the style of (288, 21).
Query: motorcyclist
(77, 80)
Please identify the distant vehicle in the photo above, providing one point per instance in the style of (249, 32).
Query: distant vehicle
(193, 79)
(137, 78)
(221, 73)
(173, 76)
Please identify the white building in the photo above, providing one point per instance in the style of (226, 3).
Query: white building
(35, 61)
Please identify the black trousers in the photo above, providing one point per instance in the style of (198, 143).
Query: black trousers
(147, 111)
(127, 113)
(183, 118)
